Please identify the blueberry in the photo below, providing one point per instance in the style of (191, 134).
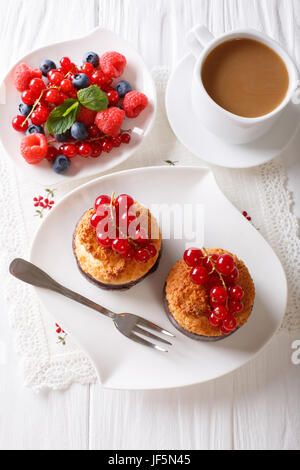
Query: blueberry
(91, 57)
(24, 109)
(35, 130)
(81, 80)
(63, 137)
(46, 66)
(79, 131)
(61, 164)
(122, 88)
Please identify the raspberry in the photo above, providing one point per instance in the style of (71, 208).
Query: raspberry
(110, 121)
(34, 148)
(22, 76)
(113, 64)
(87, 116)
(134, 102)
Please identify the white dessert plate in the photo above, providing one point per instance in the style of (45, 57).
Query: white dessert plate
(121, 363)
(209, 147)
(136, 72)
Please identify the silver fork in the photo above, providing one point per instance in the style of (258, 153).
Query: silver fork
(132, 326)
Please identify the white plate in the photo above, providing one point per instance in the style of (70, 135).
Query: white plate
(122, 364)
(136, 73)
(207, 146)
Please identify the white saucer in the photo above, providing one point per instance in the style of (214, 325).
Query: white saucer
(207, 146)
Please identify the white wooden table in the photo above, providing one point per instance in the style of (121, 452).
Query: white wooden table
(258, 406)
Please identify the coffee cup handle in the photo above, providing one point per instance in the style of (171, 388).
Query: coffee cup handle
(197, 38)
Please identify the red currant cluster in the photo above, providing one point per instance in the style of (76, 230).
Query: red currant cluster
(219, 275)
(129, 240)
(93, 147)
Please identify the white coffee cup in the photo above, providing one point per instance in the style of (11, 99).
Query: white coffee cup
(228, 126)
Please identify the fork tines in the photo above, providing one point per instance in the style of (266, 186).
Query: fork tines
(144, 332)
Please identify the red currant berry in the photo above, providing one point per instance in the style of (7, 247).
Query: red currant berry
(56, 78)
(65, 64)
(66, 85)
(95, 219)
(52, 96)
(235, 306)
(70, 150)
(193, 257)
(40, 115)
(207, 263)
(85, 150)
(98, 78)
(214, 321)
(102, 200)
(37, 85)
(225, 264)
(88, 69)
(28, 97)
(142, 255)
(126, 220)
(130, 254)
(218, 294)
(220, 312)
(124, 202)
(125, 138)
(141, 236)
(121, 245)
(236, 292)
(94, 131)
(104, 240)
(152, 249)
(214, 281)
(107, 145)
(19, 123)
(116, 141)
(224, 331)
(230, 323)
(73, 94)
(232, 278)
(63, 97)
(96, 150)
(113, 97)
(53, 152)
(199, 275)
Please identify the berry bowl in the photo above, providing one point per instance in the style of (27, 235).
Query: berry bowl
(52, 170)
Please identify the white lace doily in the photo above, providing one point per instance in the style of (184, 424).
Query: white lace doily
(52, 363)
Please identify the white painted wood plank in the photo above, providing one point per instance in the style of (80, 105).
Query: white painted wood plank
(55, 420)
(266, 399)
(192, 418)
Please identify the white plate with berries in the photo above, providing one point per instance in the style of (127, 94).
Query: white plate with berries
(67, 241)
(76, 109)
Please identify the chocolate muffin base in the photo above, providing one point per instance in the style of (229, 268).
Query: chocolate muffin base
(186, 332)
(105, 286)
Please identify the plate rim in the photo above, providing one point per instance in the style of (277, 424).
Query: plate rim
(167, 169)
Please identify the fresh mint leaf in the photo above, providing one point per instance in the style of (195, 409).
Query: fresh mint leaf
(93, 98)
(62, 117)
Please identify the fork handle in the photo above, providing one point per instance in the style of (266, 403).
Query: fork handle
(31, 274)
